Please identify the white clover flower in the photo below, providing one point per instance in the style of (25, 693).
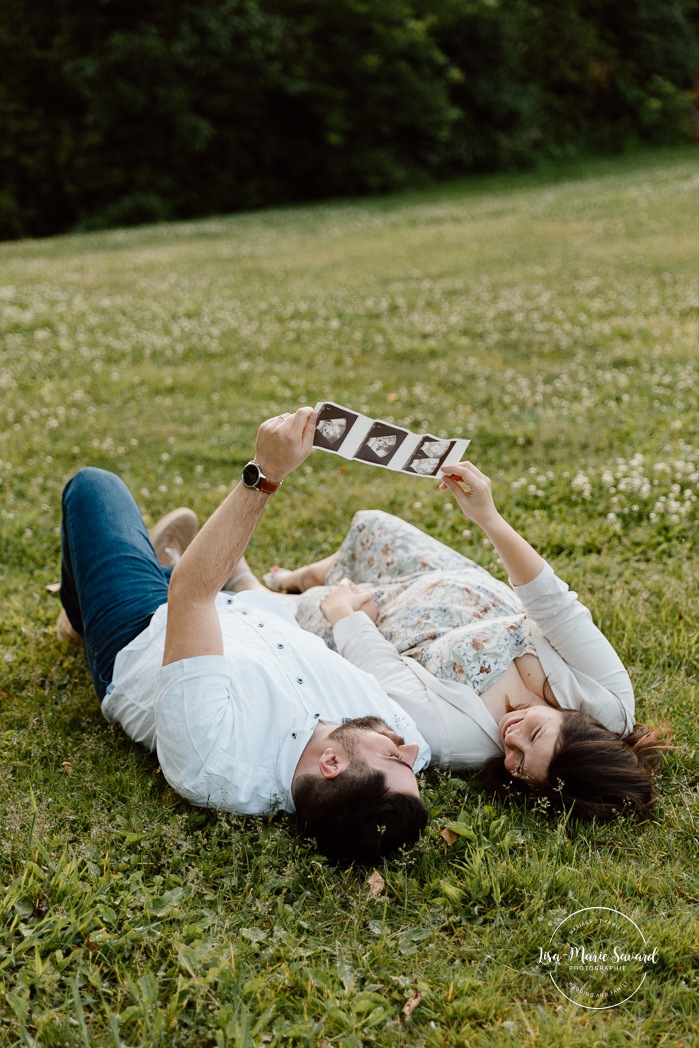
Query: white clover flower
(581, 482)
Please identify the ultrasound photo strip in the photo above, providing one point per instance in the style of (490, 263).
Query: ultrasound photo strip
(352, 435)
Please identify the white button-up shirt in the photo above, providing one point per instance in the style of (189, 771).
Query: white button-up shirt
(230, 729)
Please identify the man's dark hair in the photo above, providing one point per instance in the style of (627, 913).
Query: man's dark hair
(355, 817)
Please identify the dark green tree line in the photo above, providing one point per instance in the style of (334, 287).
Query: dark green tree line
(121, 111)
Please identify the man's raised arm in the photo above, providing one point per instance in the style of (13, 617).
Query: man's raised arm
(193, 627)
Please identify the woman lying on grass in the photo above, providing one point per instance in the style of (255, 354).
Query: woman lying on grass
(517, 681)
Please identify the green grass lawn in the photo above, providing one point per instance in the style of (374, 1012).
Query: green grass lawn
(553, 318)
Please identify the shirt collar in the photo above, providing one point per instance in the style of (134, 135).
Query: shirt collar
(292, 747)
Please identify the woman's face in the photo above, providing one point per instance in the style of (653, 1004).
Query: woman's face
(529, 738)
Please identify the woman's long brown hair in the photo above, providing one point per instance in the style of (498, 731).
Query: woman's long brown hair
(594, 771)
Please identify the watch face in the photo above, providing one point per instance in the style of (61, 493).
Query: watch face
(251, 475)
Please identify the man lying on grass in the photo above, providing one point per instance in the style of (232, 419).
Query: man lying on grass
(247, 712)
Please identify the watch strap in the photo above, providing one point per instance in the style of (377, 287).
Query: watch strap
(266, 485)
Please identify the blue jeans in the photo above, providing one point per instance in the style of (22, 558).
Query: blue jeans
(111, 582)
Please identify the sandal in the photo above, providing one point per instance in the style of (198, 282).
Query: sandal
(275, 579)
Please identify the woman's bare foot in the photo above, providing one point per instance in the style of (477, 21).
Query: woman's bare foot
(243, 579)
(281, 580)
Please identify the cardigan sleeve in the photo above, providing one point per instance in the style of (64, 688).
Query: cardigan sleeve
(358, 640)
(568, 627)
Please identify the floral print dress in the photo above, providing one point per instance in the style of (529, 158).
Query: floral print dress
(435, 605)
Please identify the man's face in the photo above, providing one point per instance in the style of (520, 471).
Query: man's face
(369, 739)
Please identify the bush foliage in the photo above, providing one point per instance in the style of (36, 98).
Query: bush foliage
(121, 113)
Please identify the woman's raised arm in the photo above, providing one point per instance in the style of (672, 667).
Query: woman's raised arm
(472, 491)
